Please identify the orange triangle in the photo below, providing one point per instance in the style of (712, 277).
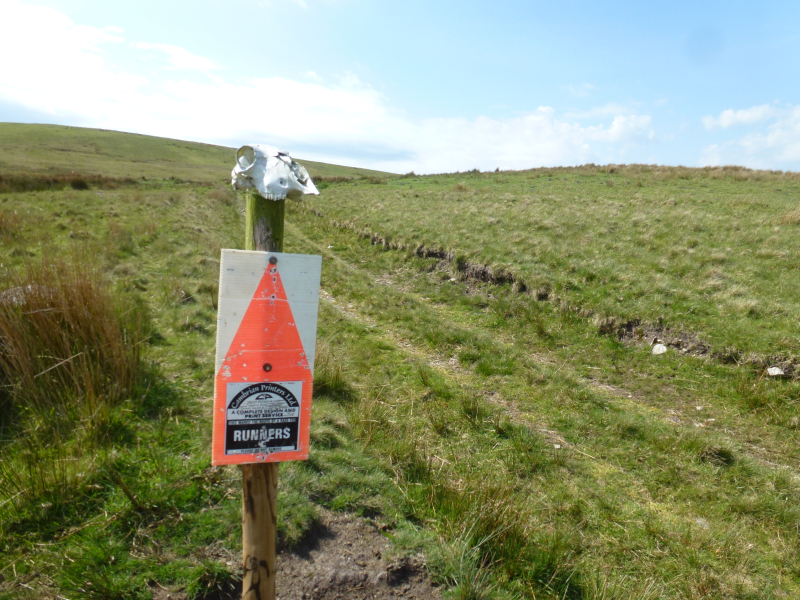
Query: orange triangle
(268, 324)
(266, 347)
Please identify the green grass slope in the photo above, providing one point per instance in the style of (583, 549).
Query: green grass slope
(57, 149)
(497, 423)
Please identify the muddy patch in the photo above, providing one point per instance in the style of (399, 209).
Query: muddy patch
(348, 559)
(343, 558)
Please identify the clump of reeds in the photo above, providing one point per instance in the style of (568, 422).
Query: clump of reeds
(65, 340)
(329, 377)
(69, 351)
(10, 223)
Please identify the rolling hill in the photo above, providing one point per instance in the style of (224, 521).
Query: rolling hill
(57, 149)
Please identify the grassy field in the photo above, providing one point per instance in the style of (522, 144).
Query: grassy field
(714, 251)
(485, 388)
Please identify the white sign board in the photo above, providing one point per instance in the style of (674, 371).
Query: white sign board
(266, 338)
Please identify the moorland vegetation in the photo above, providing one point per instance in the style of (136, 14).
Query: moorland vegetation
(486, 391)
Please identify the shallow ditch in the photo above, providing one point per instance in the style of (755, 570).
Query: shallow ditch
(631, 331)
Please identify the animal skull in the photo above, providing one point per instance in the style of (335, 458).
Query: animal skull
(271, 172)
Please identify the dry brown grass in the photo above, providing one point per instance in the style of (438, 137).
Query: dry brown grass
(69, 352)
(374, 180)
(10, 223)
(223, 194)
(662, 173)
(791, 218)
(332, 179)
(31, 183)
(68, 346)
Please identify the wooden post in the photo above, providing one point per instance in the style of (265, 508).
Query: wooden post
(264, 231)
(264, 224)
(259, 524)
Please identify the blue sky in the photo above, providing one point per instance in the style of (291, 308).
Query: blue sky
(424, 86)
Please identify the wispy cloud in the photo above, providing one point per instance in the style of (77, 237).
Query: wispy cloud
(180, 58)
(746, 116)
(766, 145)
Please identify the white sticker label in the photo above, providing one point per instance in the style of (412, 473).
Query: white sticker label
(262, 417)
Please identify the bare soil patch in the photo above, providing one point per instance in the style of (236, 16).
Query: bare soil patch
(347, 558)
(689, 343)
(636, 332)
(344, 557)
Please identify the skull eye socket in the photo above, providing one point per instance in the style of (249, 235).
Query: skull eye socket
(245, 156)
(282, 181)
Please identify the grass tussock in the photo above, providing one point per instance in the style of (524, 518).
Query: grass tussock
(70, 351)
(10, 224)
(791, 218)
(375, 180)
(329, 379)
(332, 179)
(222, 194)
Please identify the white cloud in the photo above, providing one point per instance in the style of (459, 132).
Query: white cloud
(180, 58)
(747, 116)
(781, 138)
(62, 68)
(628, 127)
(66, 74)
(538, 138)
(774, 146)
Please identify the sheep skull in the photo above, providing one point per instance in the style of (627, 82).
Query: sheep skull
(271, 172)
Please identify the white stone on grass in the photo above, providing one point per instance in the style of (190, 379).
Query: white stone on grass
(659, 349)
